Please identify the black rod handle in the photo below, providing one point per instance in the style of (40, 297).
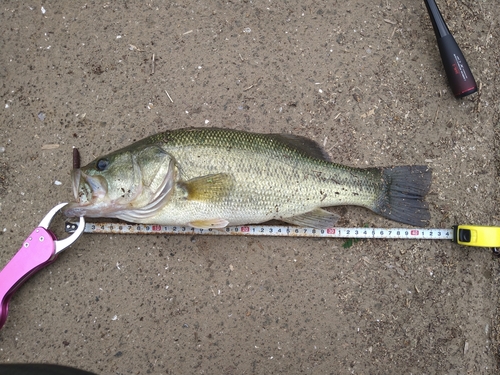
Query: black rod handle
(459, 75)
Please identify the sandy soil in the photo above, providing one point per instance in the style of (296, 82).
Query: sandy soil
(363, 78)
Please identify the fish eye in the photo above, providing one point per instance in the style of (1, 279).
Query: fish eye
(102, 164)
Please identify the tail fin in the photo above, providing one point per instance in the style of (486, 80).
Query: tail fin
(404, 189)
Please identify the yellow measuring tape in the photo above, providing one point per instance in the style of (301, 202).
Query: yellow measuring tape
(476, 235)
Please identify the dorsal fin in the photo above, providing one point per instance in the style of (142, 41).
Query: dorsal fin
(302, 144)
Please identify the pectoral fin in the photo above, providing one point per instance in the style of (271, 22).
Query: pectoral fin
(209, 188)
(211, 223)
(317, 218)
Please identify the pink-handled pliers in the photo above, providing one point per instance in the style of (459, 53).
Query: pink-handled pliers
(38, 250)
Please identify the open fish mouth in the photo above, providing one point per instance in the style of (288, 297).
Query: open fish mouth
(88, 190)
(75, 183)
(137, 201)
(89, 193)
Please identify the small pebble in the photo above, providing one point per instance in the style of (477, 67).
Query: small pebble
(58, 183)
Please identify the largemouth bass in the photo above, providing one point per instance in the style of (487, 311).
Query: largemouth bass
(211, 178)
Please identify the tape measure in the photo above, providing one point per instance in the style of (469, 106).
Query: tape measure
(468, 235)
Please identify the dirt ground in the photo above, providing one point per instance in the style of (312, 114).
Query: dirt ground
(362, 78)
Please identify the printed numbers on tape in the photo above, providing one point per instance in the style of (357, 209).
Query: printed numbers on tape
(267, 230)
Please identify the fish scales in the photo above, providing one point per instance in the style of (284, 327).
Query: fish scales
(285, 180)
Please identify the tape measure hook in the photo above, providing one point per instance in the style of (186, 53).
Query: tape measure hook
(71, 227)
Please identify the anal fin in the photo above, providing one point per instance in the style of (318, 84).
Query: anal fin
(317, 218)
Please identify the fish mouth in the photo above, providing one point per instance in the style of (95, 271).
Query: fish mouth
(92, 199)
(89, 193)
(75, 182)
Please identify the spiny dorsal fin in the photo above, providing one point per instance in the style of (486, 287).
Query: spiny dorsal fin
(302, 144)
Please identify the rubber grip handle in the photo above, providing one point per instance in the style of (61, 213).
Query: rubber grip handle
(460, 77)
(37, 251)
